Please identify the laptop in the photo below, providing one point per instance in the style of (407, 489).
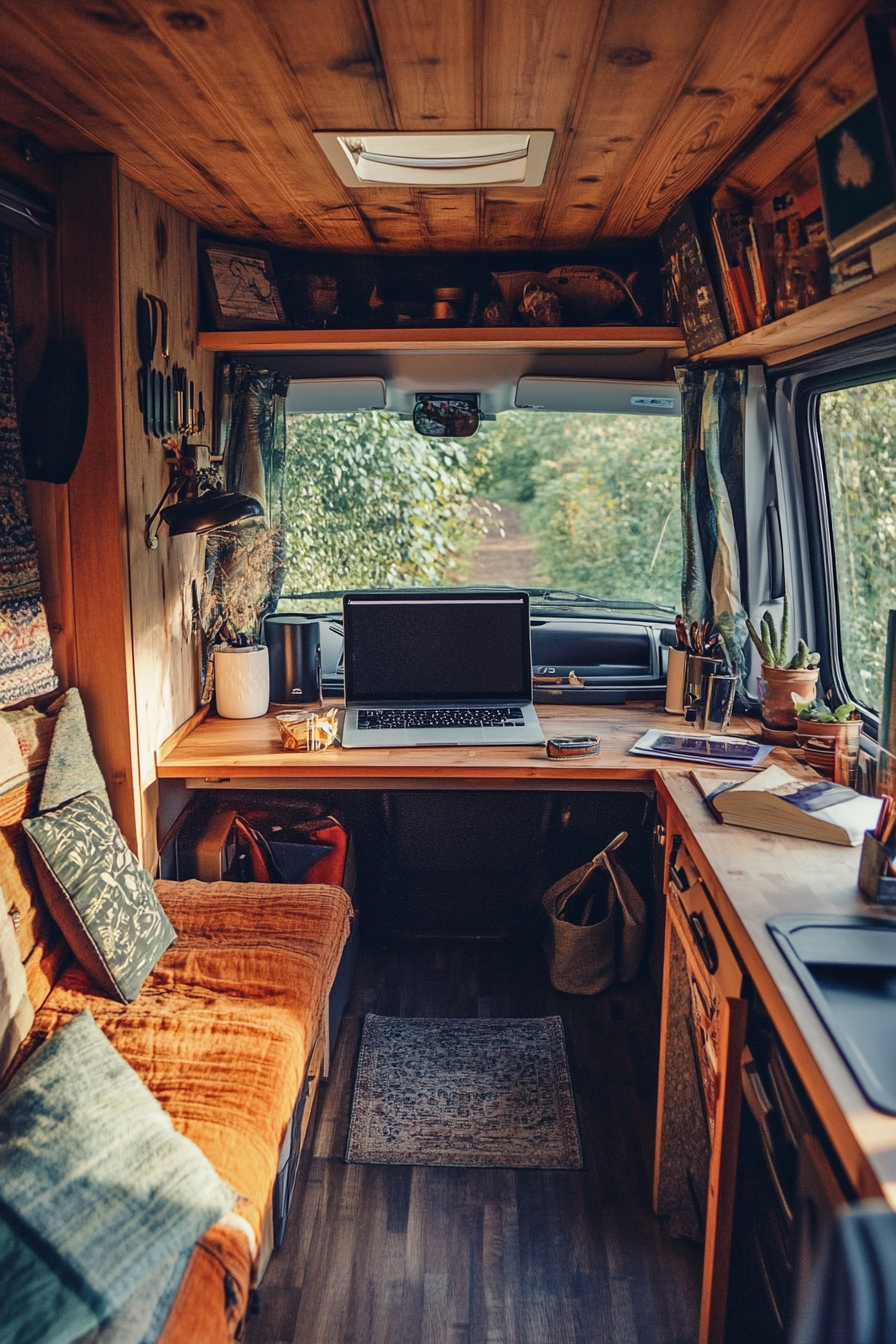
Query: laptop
(433, 669)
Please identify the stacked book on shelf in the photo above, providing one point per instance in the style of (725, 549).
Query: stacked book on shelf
(736, 262)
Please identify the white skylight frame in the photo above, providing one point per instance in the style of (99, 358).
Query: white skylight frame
(482, 158)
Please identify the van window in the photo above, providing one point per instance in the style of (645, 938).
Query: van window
(858, 433)
(535, 499)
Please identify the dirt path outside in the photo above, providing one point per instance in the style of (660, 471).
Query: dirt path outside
(508, 559)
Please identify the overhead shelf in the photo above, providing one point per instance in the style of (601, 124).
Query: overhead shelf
(461, 338)
(858, 312)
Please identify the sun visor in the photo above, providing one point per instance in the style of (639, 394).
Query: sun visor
(603, 395)
(320, 396)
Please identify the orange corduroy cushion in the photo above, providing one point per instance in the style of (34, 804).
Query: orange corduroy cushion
(221, 1033)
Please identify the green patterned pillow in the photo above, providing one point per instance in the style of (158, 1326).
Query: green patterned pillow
(98, 894)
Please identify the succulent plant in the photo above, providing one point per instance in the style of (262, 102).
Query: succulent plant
(772, 645)
(817, 712)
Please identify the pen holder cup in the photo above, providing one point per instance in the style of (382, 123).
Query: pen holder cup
(676, 674)
(874, 883)
(699, 670)
(718, 702)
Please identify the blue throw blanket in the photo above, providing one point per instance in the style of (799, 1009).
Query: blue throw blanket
(99, 1195)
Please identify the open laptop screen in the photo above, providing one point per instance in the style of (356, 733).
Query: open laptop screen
(433, 648)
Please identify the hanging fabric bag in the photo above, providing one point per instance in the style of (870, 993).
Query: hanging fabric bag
(597, 925)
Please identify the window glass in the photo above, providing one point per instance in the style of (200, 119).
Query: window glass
(534, 499)
(858, 430)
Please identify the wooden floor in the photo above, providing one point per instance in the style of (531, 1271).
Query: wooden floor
(397, 1255)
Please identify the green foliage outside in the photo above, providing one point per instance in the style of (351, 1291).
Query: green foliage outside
(599, 494)
(858, 426)
(371, 503)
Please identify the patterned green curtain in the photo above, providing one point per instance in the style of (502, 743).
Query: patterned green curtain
(712, 474)
(244, 562)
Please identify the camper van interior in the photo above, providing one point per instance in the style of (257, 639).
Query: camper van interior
(447, 672)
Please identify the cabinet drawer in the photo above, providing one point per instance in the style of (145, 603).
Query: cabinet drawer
(705, 941)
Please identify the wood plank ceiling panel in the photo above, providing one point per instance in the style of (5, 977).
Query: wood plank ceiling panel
(212, 107)
(451, 219)
(198, 111)
(843, 75)
(431, 60)
(536, 58)
(643, 55)
(750, 56)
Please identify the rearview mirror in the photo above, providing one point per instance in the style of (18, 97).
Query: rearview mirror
(446, 417)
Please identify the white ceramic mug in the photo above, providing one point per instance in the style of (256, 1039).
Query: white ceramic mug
(242, 682)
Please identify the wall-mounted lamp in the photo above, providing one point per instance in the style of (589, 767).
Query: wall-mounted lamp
(194, 512)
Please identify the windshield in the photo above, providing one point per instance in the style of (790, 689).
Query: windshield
(537, 499)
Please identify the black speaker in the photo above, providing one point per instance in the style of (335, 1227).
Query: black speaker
(294, 656)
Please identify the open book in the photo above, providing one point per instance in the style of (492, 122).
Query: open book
(811, 809)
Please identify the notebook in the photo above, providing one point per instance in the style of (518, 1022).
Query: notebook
(427, 669)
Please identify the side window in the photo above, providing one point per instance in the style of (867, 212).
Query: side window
(858, 435)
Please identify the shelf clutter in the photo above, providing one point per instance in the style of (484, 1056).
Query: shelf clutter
(773, 261)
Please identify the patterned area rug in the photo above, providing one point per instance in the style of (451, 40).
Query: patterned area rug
(464, 1092)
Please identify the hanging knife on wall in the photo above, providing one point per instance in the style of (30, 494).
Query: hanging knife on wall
(146, 346)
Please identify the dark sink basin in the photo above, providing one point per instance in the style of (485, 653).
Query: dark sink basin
(847, 966)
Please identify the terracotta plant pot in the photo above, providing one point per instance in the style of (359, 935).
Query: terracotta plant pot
(829, 733)
(781, 683)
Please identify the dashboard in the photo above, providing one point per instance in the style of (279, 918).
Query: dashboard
(576, 658)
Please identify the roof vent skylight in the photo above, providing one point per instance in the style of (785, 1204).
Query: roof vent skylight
(437, 159)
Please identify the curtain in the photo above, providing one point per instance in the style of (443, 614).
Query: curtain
(26, 660)
(712, 483)
(244, 562)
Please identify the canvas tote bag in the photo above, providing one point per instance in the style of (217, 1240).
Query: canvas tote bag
(597, 925)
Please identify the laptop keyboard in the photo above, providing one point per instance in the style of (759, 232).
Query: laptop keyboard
(486, 717)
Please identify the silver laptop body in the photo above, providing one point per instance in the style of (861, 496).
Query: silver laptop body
(428, 668)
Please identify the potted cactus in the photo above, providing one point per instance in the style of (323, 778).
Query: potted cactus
(787, 678)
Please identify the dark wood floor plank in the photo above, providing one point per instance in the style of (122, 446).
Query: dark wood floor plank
(396, 1255)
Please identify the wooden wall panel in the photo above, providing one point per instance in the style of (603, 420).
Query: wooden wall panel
(158, 255)
(88, 254)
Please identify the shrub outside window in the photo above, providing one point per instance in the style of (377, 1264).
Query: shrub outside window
(858, 433)
(534, 499)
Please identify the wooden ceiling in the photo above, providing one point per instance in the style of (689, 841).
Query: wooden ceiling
(212, 106)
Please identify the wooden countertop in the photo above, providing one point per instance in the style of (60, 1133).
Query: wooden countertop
(243, 749)
(750, 875)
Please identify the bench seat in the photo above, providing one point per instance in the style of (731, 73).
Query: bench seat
(222, 1034)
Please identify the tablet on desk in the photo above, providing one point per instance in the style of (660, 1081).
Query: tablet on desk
(741, 752)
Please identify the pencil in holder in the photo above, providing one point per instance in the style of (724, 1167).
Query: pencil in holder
(875, 881)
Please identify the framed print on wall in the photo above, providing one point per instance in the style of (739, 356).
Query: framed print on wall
(857, 186)
(241, 287)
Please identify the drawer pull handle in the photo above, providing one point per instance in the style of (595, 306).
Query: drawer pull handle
(705, 945)
(679, 877)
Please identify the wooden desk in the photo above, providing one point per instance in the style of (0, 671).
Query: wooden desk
(749, 875)
(247, 750)
(752, 875)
